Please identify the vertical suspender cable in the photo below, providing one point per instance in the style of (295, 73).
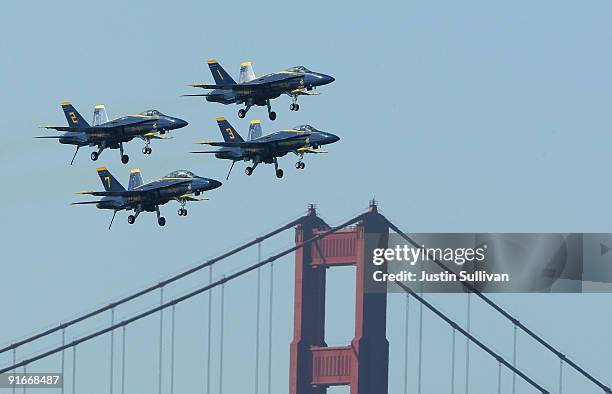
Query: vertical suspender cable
(499, 378)
(467, 344)
(453, 364)
(14, 362)
(172, 351)
(74, 349)
(161, 338)
(514, 362)
(208, 349)
(560, 376)
(221, 337)
(271, 305)
(123, 361)
(112, 349)
(257, 320)
(406, 332)
(420, 366)
(63, 355)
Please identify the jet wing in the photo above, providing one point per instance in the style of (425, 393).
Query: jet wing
(255, 144)
(209, 86)
(127, 121)
(157, 136)
(123, 193)
(310, 150)
(61, 128)
(303, 92)
(189, 197)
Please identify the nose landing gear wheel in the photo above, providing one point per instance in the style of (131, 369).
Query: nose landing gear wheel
(292, 107)
(279, 173)
(147, 150)
(182, 212)
(94, 156)
(131, 219)
(125, 159)
(300, 165)
(272, 115)
(248, 171)
(241, 113)
(161, 221)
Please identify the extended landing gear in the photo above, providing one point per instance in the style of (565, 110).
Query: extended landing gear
(271, 114)
(300, 165)
(146, 150)
(249, 170)
(182, 212)
(131, 219)
(279, 172)
(241, 113)
(294, 107)
(124, 158)
(94, 156)
(160, 219)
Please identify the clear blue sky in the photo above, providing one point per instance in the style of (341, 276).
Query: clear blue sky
(472, 116)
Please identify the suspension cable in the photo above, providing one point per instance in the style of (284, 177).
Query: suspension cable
(210, 294)
(74, 350)
(467, 344)
(499, 309)
(453, 363)
(406, 343)
(123, 360)
(257, 319)
(471, 337)
(172, 350)
(161, 340)
(514, 360)
(187, 296)
(63, 356)
(151, 288)
(221, 337)
(112, 349)
(271, 307)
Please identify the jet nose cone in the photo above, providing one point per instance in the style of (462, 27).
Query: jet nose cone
(213, 184)
(332, 138)
(180, 123)
(326, 79)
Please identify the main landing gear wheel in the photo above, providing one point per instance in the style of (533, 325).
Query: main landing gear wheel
(94, 156)
(241, 113)
(300, 165)
(182, 212)
(125, 159)
(279, 173)
(272, 115)
(147, 150)
(248, 171)
(131, 219)
(161, 221)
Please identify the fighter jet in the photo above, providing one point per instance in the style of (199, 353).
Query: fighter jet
(139, 197)
(251, 90)
(104, 134)
(268, 148)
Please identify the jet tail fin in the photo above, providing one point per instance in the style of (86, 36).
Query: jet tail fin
(219, 74)
(100, 115)
(135, 179)
(255, 130)
(229, 133)
(73, 117)
(108, 180)
(246, 72)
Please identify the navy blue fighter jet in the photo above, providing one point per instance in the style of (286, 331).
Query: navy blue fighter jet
(251, 90)
(140, 197)
(268, 148)
(112, 134)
